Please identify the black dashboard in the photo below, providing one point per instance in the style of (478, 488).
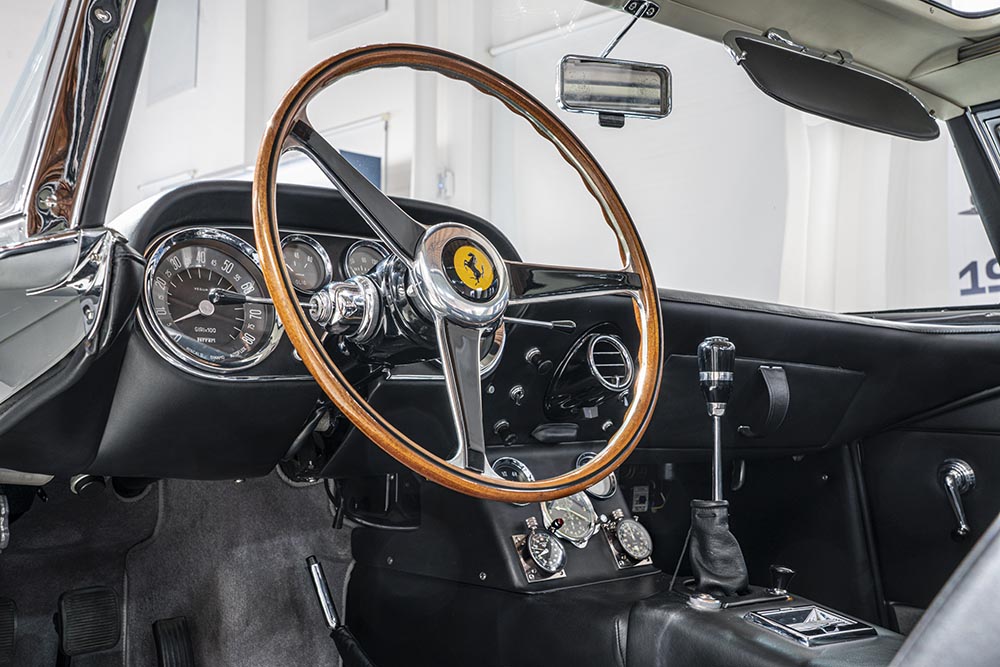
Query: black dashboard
(212, 389)
(145, 410)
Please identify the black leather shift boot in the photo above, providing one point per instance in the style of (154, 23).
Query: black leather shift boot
(716, 558)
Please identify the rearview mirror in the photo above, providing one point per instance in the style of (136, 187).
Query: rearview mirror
(613, 89)
(830, 85)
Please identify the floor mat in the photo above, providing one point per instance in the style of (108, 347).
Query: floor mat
(69, 542)
(231, 558)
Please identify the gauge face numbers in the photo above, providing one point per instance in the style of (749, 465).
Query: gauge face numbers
(362, 257)
(546, 552)
(179, 280)
(634, 539)
(308, 263)
(604, 489)
(512, 470)
(577, 516)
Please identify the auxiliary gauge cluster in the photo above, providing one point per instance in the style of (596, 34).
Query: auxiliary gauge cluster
(574, 520)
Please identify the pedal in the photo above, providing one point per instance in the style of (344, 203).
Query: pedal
(173, 642)
(4, 521)
(8, 630)
(89, 621)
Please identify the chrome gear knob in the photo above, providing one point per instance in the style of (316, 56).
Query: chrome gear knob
(716, 361)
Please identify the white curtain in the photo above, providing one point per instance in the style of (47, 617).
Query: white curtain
(866, 218)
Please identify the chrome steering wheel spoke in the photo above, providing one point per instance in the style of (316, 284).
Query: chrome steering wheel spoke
(392, 225)
(537, 283)
(460, 352)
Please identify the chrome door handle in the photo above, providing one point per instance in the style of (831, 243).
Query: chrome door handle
(957, 477)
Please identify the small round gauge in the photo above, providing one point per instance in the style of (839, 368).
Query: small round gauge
(634, 539)
(513, 470)
(604, 489)
(546, 551)
(180, 277)
(308, 264)
(579, 520)
(362, 257)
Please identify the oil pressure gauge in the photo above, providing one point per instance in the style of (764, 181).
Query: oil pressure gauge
(308, 263)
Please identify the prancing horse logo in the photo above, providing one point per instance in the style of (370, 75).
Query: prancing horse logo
(470, 268)
(470, 264)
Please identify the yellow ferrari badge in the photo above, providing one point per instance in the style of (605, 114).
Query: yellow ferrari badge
(473, 267)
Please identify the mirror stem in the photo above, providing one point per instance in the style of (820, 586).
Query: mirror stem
(645, 9)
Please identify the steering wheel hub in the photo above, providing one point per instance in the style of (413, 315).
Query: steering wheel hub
(460, 276)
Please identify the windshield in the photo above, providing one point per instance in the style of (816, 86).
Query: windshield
(733, 193)
(27, 45)
(968, 7)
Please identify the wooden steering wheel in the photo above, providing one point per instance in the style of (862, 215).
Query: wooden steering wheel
(456, 279)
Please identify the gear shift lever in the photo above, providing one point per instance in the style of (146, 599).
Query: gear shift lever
(716, 558)
(716, 360)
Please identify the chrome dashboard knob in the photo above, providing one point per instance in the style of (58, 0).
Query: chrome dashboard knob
(351, 307)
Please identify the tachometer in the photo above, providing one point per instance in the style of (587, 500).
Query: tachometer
(181, 273)
(572, 518)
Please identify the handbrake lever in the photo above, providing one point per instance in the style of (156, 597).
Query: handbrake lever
(351, 653)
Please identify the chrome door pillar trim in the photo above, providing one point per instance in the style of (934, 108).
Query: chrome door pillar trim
(76, 97)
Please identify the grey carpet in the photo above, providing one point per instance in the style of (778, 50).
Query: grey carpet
(68, 542)
(231, 558)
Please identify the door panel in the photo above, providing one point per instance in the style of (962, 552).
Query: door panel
(913, 521)
(37, 330)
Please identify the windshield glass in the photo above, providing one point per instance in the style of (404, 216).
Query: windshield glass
(968, 7)
(27, 45)
(733, 193)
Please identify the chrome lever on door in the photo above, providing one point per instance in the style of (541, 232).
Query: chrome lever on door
(958, 478)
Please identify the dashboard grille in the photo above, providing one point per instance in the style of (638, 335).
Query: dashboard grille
(610, 362)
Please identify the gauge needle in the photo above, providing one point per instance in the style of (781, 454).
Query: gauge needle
(206, 308)
(582, 516)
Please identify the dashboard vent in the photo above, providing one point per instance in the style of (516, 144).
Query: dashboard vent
(610, 362)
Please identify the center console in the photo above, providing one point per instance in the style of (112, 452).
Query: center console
(573, 582)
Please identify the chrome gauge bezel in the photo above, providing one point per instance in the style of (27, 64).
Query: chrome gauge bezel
(362, 243)
(517, 464)
(611, 479)
(624, 546)
(325, 262)
(155, 332)
(579, 541)
(557, 550)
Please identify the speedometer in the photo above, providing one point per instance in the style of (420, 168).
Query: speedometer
(180, 275)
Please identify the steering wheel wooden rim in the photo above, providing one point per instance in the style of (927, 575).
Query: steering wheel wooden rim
(292, 110)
